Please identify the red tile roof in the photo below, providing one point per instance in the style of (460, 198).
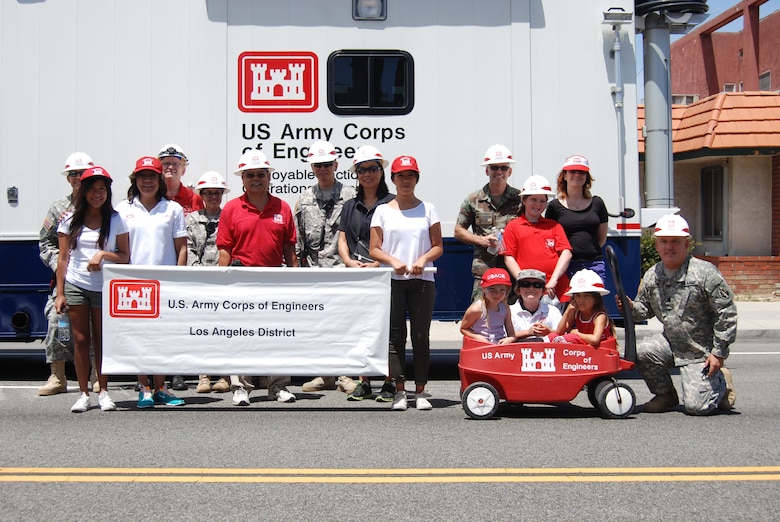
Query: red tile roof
(728, 120)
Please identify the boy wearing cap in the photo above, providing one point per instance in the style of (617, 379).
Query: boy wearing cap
(531, 316)
(696, 307)
(317, 217)
(48, 244)
(487, 211)
(488, 318)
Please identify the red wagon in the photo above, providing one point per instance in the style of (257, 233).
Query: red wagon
(546, 373)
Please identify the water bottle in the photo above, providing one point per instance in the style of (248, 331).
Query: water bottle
(63, 327)
(493, 248)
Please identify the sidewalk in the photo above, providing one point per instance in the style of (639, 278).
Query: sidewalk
(756, 321)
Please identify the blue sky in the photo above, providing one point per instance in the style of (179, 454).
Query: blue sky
(716, 7)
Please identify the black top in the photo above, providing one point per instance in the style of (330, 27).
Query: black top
(581, 227)
(356, 225)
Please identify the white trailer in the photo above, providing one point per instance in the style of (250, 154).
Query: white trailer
(438, 79)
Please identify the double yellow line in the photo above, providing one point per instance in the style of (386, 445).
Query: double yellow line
(411, 475)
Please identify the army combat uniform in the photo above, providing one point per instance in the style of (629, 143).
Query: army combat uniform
(48, 245)
(482, 212)
(699, 317)
(317, 226)
(201, 239)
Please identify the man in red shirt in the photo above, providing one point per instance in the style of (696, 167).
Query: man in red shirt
(174, 165)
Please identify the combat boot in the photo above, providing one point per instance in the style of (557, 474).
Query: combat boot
(662, 402)
(57, 382)
(730, 397)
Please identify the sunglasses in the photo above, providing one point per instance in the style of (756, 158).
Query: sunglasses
(502, 168)
(368, 170)
(210, 193)
(253, 175)
(529, 284)
(75, 173)
(326, 165)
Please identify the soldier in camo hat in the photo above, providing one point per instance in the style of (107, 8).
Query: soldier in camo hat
(696, 307)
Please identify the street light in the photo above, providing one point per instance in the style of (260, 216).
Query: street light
(369, 9)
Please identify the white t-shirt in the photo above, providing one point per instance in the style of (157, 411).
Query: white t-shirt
(522, 319)
(152, 233)
(86, 248)
(406, 234)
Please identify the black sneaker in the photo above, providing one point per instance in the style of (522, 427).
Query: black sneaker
(177, 383)
(362, 391)
(387, 393)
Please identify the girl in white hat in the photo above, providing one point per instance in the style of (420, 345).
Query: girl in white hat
(585, 320)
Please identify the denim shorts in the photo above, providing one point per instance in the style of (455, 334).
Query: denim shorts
(78, 296)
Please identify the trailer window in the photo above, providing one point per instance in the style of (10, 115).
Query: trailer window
(370, 82)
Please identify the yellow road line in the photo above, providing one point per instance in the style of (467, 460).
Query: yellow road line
(411, 475)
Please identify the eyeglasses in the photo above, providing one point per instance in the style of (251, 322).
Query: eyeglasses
(325, 165)
(210, 193)
(75, 173)
(529, 284)
(373, 169)
(253, 175)
(171, 165)
(502, 168)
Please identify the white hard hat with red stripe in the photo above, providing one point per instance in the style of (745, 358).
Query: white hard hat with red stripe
(497, 154)
(537, 185)
(211, 180)
(77, 161)
(253, 159)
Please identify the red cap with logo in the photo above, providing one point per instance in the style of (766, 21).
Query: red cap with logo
(496, 276)
(402, 163)
(148, 163)
(96, 172)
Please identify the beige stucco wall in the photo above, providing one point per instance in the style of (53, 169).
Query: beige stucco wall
(748, 207)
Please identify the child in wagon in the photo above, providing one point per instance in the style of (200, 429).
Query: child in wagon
(585, 320)
(488, 318)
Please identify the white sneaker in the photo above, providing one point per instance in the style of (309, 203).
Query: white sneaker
(240, 397)
(105, 402)
(82, 404)
(421, 401)
(284, 396)
(399, 401)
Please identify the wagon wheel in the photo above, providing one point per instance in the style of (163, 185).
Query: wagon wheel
(592, 391)
(480, 401)
(615, 399)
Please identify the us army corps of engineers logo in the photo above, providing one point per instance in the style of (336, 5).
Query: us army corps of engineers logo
(134, 298)
(273, 81)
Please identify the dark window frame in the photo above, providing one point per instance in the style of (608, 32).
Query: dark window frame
(371, 107)
(712, 190)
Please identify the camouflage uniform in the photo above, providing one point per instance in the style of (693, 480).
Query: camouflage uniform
(317, 226)
(201, 239)
(48, 244)
(481, 212)
(697, 310)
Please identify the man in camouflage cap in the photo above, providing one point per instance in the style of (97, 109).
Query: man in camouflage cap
(696, 307)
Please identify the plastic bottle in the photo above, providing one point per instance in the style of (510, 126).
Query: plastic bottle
(63, 327)
(493, 248)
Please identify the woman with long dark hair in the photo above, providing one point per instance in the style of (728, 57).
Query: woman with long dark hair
(92, 235)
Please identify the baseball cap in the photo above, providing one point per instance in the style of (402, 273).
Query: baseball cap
(96, 172)
(402, 163)
(576, 162)
(531, 273)
(148, 163)
(496, 276)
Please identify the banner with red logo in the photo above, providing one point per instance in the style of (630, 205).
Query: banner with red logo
(240, 320)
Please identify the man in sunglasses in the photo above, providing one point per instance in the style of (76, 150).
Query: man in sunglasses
(317, 216)
(487, 212)
(58, 352)
(531, 317)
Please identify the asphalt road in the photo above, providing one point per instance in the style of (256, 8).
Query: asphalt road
(325, 458)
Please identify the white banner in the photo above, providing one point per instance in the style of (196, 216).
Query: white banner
(250, 321)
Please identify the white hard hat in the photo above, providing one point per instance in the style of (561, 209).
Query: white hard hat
(367, 153)
(77, 161)
(322, 152)
(584, 281)
(497, 154)
(576, 162)
(211, 179)
(672, 225)
(172, 150)
(535, 185)
(253, 159)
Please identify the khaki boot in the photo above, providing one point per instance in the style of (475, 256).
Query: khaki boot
(204, 384)
(730, 398)
(57, 382)
(319, 384)
(662, 402)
